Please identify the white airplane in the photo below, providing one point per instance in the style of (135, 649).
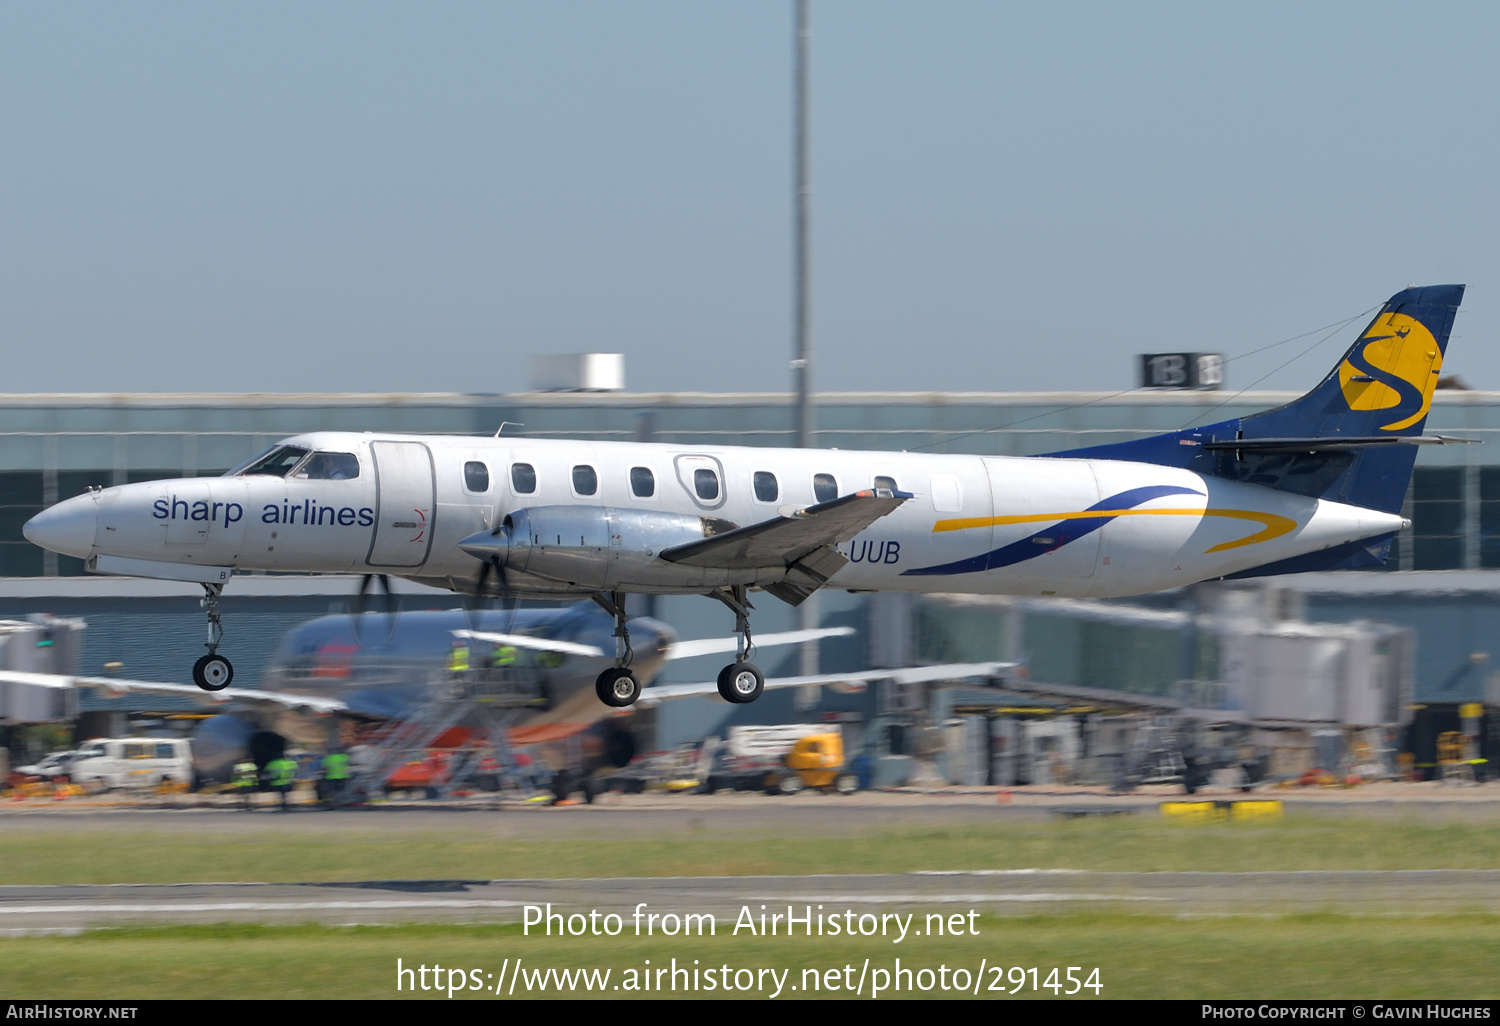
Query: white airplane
(1313, 485)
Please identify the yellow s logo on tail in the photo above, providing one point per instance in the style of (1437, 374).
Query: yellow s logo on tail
(1395, 366)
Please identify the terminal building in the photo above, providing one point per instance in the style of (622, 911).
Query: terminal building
(1442, 580)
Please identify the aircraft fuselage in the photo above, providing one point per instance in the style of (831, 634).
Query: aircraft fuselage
(992, 525)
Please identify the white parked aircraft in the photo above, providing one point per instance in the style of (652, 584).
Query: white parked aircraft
(1314, 485)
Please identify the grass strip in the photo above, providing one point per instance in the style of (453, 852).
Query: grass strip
(1116, 843)
(1139, 956)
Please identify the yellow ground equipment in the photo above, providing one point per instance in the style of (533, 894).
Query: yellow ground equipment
(816, 760)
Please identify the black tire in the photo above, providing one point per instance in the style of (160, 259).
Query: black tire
(213, 673)
(741, 683)
(562, 785)
(617, 687)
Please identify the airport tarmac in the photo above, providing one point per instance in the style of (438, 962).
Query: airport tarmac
(70, 908)
(645, 815)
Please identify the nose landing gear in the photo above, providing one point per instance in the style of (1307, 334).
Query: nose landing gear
(213, 672)
(741, 682)
(617, 686)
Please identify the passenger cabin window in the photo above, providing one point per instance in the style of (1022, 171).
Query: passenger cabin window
(642, 482)
(476, 476)
(330, 466)
(766, 488)
(276, 463)
(706, 484)
(825, 488)
(585, 481)
(523, 478)
(886, 482)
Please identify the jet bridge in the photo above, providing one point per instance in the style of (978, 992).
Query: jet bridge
(40, 644)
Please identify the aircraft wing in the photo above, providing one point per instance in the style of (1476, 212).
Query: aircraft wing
(526, 641)
(793, 534)
(117, 686)
(715, 646)
(955, 672)
(800, 541)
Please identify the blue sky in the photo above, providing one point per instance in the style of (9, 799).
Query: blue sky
(372, 197)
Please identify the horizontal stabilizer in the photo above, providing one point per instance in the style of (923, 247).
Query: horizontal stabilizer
(1334, 444)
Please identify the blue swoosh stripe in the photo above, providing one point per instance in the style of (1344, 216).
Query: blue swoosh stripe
(1056, 536)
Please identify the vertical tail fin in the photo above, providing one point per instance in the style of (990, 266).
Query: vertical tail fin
(1343, 440)
(1382, 387)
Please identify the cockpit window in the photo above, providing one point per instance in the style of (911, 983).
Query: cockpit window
(275, 463)
(240, 468)
(330, 466)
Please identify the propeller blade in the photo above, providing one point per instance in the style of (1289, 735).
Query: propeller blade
(360, 606)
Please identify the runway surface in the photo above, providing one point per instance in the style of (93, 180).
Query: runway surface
(68, 908)
(650, 814)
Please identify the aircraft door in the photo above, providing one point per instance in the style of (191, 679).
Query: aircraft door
(405, 510)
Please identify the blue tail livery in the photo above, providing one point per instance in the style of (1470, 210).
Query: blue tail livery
(1351, 439)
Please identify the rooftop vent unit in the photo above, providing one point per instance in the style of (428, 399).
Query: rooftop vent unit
(578, 372)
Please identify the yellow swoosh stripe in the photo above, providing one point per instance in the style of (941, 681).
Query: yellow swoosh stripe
(1272, 524)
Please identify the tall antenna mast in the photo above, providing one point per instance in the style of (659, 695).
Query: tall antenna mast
(802, 316)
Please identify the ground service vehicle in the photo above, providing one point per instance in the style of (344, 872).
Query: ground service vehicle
(133, 762)
(814, 761)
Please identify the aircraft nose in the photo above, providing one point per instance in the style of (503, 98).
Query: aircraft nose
(69, 527)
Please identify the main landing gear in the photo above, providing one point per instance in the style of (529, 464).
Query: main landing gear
(213, 672)
(741, 682)
(617, 686)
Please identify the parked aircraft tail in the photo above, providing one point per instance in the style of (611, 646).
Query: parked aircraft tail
(1352, 439)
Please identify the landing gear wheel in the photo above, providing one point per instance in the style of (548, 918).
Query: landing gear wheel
(213, 673)
(617, 687)
(741, 683)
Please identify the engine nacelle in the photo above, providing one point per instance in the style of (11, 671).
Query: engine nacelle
(600, 548)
